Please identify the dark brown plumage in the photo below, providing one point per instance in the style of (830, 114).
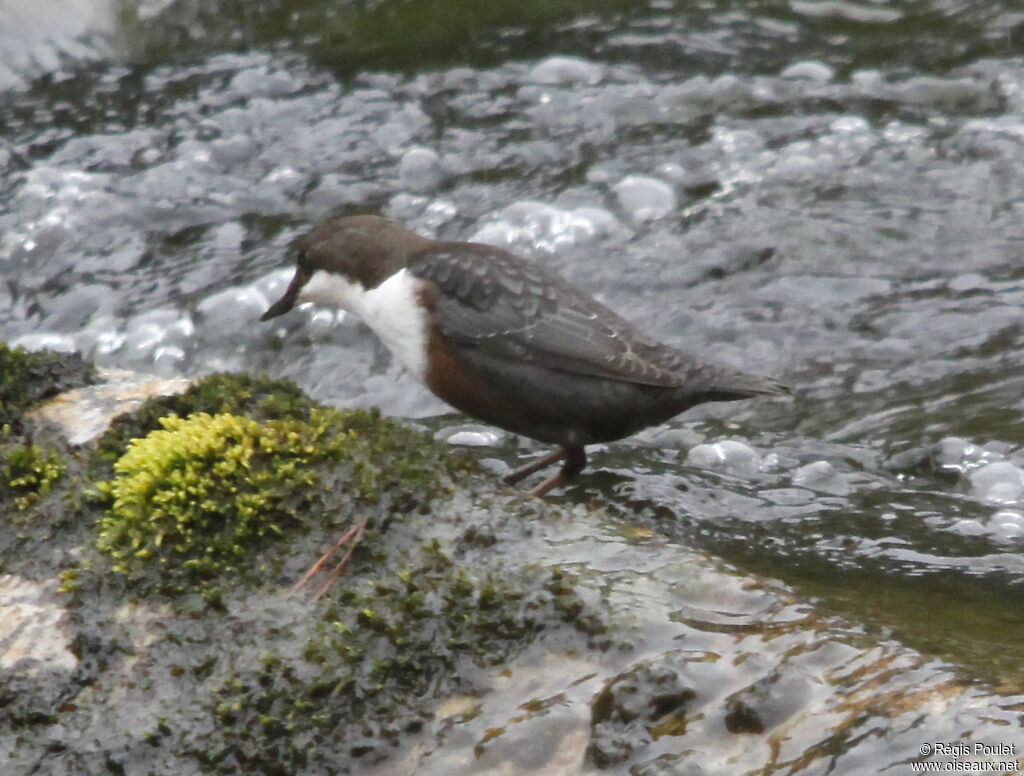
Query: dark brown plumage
(511, 343)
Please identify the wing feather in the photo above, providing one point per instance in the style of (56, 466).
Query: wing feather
(495, 301)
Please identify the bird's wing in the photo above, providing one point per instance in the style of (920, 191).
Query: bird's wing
(491, 300)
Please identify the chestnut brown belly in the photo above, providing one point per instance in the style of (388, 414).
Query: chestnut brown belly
(550, 405)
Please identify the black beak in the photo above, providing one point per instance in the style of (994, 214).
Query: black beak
(287, 301)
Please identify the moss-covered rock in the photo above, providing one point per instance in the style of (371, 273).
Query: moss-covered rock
(198, 497)
(259, 398)
(199, 492)
(371, 672)
(34, 468)
(28, 472)
(230, 487)
(206, 505)
(29, 378)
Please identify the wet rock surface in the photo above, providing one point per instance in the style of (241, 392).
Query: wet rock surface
(520, 636)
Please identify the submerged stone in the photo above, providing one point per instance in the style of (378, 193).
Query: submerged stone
(821, 476)
(998, 483)
(645, 199)
(420, 170)
(729, 456)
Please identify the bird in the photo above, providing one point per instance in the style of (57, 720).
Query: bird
(505, 340)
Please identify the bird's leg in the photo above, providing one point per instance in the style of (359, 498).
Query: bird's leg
(538, 463)
(575, 460)
(354, 535)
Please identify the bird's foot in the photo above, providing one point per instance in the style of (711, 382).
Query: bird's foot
(575, 459)
(556, 480)
(538, 463)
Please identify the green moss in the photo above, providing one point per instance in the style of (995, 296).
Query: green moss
(257, 397)
(196, 498)
(29, 378)
(197, 493)
(28, 473)
(195, 508)
(385, 652)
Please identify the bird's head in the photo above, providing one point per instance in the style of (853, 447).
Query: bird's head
(345, 256)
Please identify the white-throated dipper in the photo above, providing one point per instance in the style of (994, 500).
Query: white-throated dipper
(505, 340)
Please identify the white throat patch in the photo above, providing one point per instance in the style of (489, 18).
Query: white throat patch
(391, 309)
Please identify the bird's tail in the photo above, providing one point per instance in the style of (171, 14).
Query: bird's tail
(721, 383)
